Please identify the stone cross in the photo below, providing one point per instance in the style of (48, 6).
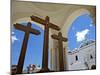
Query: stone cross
(60, 46)
(47, 25)
(27, 29)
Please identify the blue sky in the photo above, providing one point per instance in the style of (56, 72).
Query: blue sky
(81, 29)
(34, 48)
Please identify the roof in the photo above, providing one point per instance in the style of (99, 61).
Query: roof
(86, 42)
(83, 44)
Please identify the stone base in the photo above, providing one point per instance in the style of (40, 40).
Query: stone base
(44, 70)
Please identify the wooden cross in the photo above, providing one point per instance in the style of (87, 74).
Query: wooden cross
(60, 44)
(27, 29)
(47, 25)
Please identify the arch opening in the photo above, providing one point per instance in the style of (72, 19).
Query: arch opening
(81, 30)
(34, 53)
(34, 47)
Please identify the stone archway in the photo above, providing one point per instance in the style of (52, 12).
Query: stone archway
(27, 19)
(71, 18)
(69, 22)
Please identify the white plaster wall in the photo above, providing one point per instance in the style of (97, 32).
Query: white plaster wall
(84, 56)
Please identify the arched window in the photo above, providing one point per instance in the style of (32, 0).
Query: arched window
(82, 29)
(34, 47)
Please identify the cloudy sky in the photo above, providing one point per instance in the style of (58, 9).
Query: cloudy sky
(81, 29)
(14, 38)
(80, 36)
(34, 48)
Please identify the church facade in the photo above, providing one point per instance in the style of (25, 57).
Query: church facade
(83, 58)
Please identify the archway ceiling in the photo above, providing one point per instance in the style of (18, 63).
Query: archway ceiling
(58, 13)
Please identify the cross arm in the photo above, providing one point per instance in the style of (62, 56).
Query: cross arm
(64, 39)
(54, 26)
(20, 26)
(41, 21)
(34, 31)
(26, 28)
(55, 37)
(37, 19)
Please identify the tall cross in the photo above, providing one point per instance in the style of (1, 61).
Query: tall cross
(60, 39)
(27, 29)
(47, 25)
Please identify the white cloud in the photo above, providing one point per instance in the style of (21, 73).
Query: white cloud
(81, 35)
(13, 37)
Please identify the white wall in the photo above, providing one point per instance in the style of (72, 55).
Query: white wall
(83, 56)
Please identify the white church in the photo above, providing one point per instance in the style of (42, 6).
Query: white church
(84, 57)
